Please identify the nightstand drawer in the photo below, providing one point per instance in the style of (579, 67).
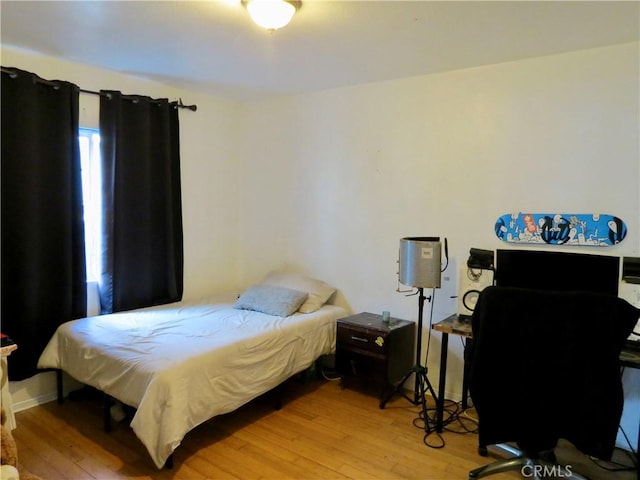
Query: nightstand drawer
(362, 339)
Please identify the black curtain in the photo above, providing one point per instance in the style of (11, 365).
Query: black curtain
(142, 217)
(43, 262)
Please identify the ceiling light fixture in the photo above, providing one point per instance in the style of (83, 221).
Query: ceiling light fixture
(271, 14)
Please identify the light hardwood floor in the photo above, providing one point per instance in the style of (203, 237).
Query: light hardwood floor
(322, 432)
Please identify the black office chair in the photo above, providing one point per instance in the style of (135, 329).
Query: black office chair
(545, 366)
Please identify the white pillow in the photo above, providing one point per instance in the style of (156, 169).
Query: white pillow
(319, 291)
(271, 299)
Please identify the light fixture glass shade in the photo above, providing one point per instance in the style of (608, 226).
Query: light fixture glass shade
(270, 14)
(420, 262)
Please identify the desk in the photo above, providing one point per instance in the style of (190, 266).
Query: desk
(456, 325)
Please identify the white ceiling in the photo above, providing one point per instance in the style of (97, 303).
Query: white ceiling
(214, 47)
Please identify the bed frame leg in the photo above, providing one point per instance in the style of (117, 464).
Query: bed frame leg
(59, 387)
(168, 465)
(278, 395)
(106, 412)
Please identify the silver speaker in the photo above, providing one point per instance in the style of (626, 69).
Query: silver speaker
(472, 282)
(420, 262)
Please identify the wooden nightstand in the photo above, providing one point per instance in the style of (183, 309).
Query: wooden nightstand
(373, 351)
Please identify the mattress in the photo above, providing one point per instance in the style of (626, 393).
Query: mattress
(184, 363)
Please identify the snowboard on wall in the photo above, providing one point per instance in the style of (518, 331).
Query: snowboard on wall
(588, 229)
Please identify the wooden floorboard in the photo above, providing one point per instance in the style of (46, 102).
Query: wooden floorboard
(322, 432)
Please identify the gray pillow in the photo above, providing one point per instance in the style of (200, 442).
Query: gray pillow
(272, 300)
(319, 291)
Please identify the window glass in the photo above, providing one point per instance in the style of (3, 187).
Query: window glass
(91, 179)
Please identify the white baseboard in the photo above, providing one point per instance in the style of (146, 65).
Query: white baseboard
(34, 401)
(38, 390)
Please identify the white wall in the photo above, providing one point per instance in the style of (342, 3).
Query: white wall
(347, 172)
(333, 180)
(328, 183)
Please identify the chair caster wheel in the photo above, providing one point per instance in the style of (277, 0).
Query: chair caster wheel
(482, 451)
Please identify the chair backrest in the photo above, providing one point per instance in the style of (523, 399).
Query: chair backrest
(545, 365)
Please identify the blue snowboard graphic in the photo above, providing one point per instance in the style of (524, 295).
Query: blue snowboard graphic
(594, 230)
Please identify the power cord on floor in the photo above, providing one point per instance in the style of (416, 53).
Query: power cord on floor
(432, 438)
(624, 434)
(467, 420)
(458, 419)
(615, 466)
(454, 414)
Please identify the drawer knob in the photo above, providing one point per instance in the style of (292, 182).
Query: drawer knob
(359, 339)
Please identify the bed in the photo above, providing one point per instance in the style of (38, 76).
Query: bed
(181, 364)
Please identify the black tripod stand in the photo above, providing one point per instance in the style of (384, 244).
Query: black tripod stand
(422, 383)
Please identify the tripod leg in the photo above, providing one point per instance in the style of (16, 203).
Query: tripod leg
(431, 390)
(425, 412)
(423, 396)
(398, 389)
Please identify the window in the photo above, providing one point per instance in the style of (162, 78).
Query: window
(91, 191)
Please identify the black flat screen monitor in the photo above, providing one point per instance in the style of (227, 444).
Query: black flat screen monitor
(542, 270)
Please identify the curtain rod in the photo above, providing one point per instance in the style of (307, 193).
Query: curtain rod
(178, 103)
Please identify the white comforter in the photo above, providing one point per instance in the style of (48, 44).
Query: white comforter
(184, 363)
